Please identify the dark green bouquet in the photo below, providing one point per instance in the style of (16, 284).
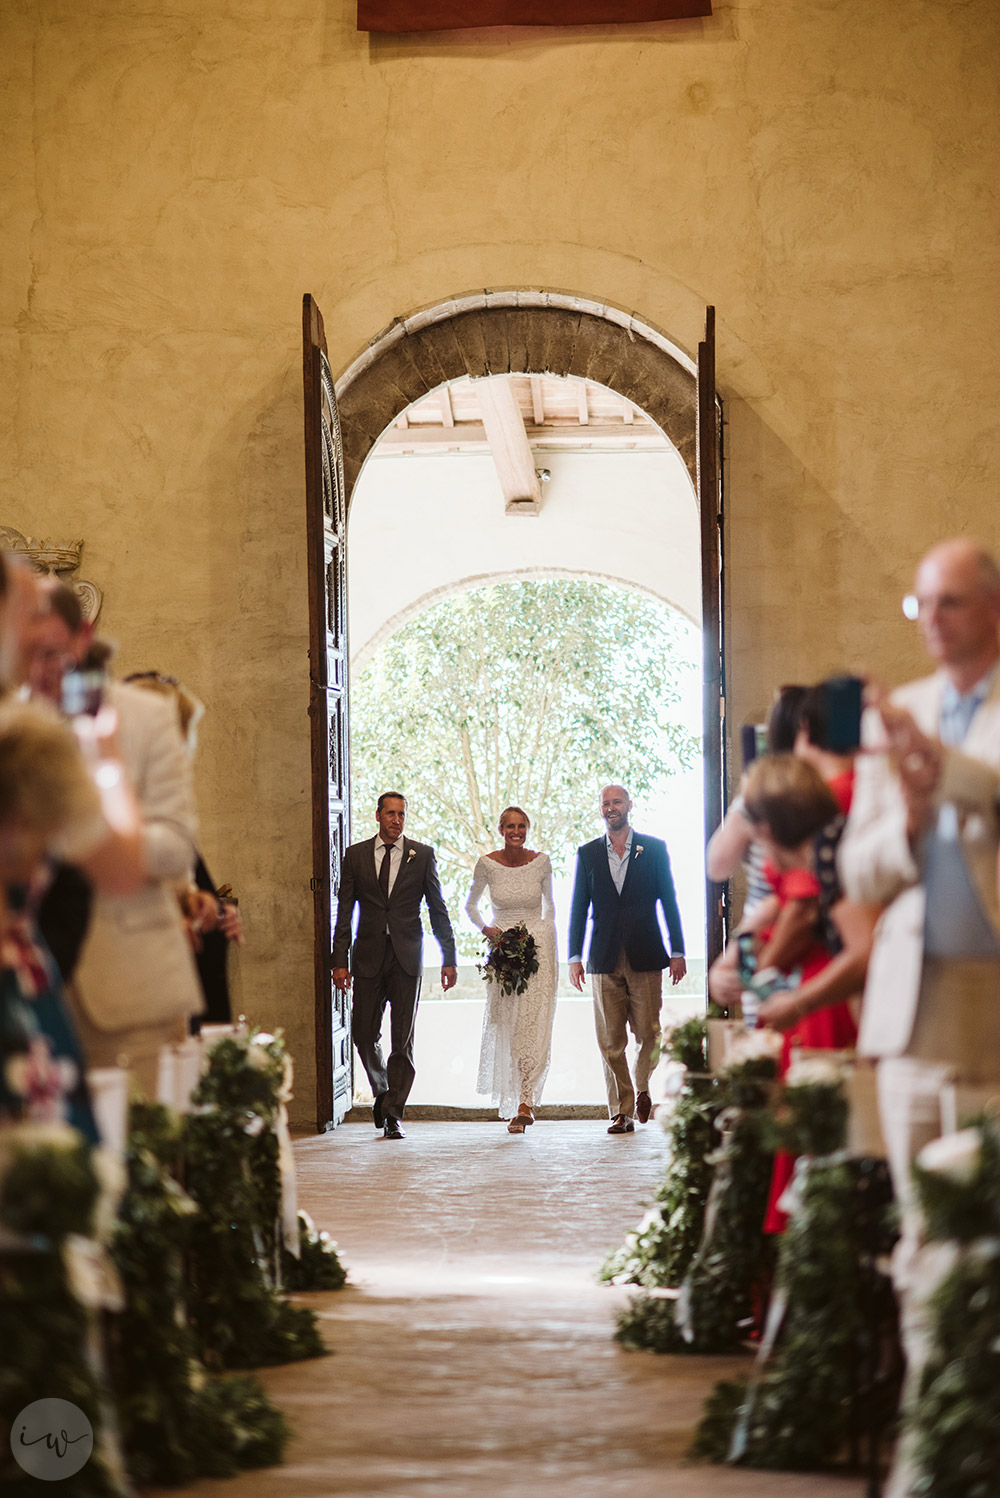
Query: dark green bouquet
(511, 960)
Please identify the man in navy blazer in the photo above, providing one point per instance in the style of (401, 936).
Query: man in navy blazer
(620, 880)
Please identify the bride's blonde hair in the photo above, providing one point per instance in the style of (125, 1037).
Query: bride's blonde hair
(520, 812)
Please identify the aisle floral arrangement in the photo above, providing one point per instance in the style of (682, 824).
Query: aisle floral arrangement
(658, 1252)
(511, 960)
(230, 1152)
(55, 1193)
(797, 1410)
(718, 1301)
(121, 1286)
(954, 1422)
(318, 1265)
(177, 1423)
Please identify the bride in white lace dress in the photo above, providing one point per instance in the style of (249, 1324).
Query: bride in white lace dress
(517, 1028)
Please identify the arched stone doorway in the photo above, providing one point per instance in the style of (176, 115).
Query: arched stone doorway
(475, 336)
(516, 332)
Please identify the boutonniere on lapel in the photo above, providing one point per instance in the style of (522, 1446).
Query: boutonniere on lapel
(638, 849)
(411, 853)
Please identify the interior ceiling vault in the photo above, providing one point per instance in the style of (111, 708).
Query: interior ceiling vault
(517, 420)
(557, 414)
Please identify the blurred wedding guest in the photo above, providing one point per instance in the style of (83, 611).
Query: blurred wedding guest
(18, 603)
(135, 984)
(791, 806)
(213, 918)
(922, 839)
(812, 741)
(734, 843)
(44, 788)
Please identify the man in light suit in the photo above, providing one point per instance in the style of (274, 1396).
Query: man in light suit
(922, 840)
(620, 880)
(135, 984)
(388, 877)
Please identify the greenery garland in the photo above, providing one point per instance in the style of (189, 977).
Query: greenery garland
(687, 1044)
(219, 1248)
(231, 1172)
(318, 1266)
(955, 1420)
(49, 1192)
(177, 1423)
(659, 1250)
(722, 1289)
(795, 1413)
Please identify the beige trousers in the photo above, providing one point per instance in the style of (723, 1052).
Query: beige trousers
(137, 1049)
(626, 1000)
(950, 1071)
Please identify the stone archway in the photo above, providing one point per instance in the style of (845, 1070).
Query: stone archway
(516, 332)
(475, 580)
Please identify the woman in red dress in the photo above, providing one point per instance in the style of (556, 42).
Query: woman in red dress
(798, 819)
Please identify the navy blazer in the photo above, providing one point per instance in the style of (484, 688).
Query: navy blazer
(416, 881)
(627, 921)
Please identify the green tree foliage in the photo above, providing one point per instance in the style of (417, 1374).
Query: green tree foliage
(536, 693)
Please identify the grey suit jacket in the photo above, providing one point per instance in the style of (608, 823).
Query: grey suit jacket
(398, 920)
(877, 865)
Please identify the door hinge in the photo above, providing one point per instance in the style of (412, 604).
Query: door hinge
(316, 882)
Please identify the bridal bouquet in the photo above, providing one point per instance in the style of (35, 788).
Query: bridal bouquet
(511, 960)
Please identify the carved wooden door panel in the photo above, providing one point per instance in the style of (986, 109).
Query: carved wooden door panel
(326, 539)
(710, 496)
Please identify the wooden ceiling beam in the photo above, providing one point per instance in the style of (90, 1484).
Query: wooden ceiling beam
(509, 446)
(537, 400)
(473, 434)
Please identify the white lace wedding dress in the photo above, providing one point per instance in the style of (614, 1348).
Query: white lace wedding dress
(517, 1028)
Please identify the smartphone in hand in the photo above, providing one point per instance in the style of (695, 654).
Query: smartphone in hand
(82, 692)
(844, 701)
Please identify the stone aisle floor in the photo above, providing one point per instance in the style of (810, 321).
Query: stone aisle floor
(472, 1355)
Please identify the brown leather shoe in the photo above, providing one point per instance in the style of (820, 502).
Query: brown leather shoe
(643, 1107)
(621, 1125)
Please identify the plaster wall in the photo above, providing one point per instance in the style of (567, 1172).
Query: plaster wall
(174, 177)
(627, 517)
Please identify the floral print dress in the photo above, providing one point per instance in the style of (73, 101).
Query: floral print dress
(42, 1069)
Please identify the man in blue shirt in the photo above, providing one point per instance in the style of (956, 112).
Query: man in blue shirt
(620, 880)
(922, 841)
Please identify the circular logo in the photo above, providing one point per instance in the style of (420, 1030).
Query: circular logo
(52, 1438)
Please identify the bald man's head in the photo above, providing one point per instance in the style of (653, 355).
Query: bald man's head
(616, 803)
(958, 598)
(968, 557)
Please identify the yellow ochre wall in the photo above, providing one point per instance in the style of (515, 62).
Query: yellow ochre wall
(175, 176)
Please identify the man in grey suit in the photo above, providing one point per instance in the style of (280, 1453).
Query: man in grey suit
(388, 877)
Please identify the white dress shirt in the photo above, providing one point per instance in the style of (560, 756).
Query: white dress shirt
(394, 853)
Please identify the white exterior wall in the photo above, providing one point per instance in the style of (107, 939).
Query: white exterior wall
(627, 517)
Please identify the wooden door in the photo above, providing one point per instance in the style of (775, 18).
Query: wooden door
(326, 540)
(710, 497)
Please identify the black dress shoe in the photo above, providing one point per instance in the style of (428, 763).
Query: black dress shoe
(393, 1129)
(377, 1110)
